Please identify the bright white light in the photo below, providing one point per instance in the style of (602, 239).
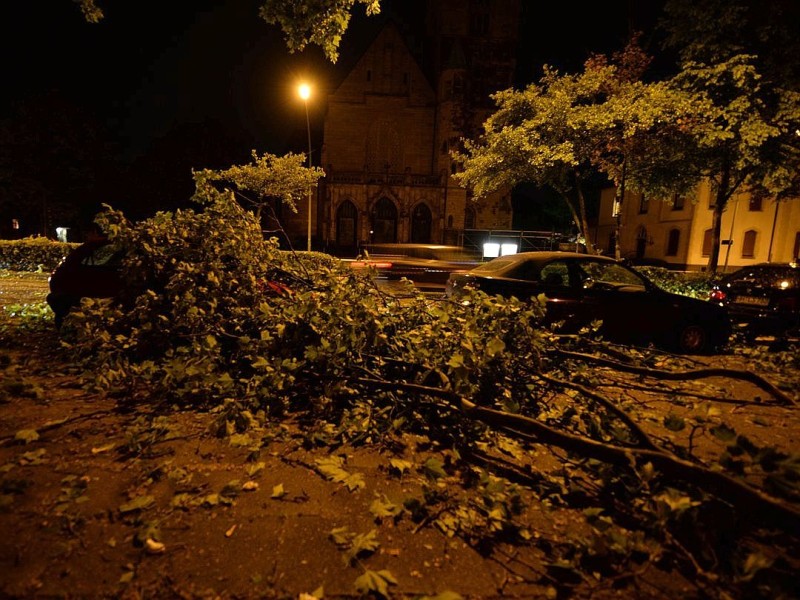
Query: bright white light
(507, 249)
(491, 250)
(304, 90)
(784, 284)
(61, 234)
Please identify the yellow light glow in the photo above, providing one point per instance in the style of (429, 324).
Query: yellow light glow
(304, 90)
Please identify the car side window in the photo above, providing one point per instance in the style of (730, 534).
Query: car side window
(102, 255)
(554, 274)
(608, 273)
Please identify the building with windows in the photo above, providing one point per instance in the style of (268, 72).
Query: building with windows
(677, 231)
(392, 121)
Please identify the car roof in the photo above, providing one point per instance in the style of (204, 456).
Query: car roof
(780, 267)
(546, 255)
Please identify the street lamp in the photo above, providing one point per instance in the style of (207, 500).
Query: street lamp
(304, 90)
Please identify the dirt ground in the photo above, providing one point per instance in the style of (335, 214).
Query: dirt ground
(94, 504)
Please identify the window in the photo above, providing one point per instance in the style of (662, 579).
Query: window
(678, 202)
(707, 241)
(384, 148)
(555, 274)
(672, 242)
(470, 218)
(749, 244)
(644, 204)
(755, 204)
(479, 19)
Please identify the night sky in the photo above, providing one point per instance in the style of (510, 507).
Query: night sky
(209, 80)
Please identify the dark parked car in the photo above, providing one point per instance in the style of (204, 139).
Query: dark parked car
(92, 270)
(427, 265)
(763, 299)
(581, 288)
(89, 271)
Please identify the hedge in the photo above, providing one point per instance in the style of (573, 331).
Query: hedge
(33, 254)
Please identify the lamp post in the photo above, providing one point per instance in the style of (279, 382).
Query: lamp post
(304, 90)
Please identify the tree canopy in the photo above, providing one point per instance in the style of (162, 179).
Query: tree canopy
(566, 128)
(303, 22)
(268, 177)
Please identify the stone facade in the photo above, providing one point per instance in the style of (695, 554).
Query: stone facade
(391, 123)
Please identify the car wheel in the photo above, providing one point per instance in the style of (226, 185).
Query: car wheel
(693, 338)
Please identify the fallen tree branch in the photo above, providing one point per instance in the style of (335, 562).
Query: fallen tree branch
(646, 441)
(50, 425)
(756, 380)
(751, 501)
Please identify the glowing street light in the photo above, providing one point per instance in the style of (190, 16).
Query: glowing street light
(304, 90)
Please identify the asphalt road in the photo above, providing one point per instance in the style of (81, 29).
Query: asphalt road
(23, 288)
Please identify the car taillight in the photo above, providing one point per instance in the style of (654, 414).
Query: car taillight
(717, 295)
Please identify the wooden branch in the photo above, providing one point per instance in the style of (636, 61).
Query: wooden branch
(49, 426)
(751, 501)
(756, 380)
(646, 441)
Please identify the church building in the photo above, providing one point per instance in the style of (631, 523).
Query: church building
(392, 121)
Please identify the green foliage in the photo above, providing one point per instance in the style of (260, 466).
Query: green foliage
(269, 177)
(199, 326)
(33, 254)
(567, 128)
(320, 22)
(91, 12)
(198, 322)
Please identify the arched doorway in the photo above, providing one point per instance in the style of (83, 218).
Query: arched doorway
(384, 222)
(421, 224)
(346, 225)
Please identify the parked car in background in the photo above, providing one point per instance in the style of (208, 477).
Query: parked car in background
(93, 270)
(582, 288)
(762, 300)
(89, 271)
(428, 266)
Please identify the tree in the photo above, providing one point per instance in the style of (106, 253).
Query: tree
(747, 140)
(739, 57)
(303, 22)
(566, 129)
(320, 22)
(265, 183)
(712, 31)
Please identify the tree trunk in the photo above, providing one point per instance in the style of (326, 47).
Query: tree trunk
(721, 199)
(575, 217)
(584, 219)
